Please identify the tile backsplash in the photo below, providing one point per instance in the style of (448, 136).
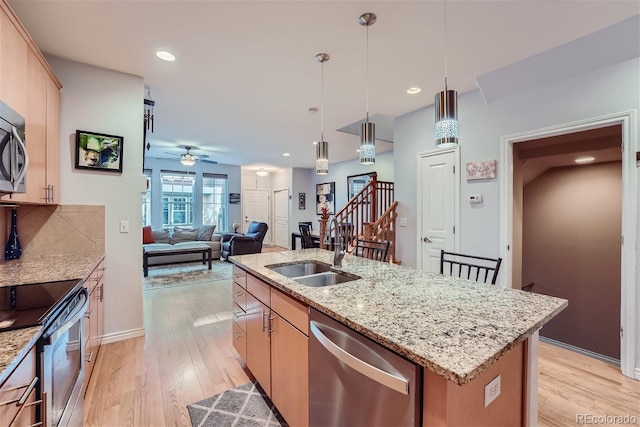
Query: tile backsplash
(60, 230)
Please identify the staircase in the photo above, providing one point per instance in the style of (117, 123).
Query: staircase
(370, 214)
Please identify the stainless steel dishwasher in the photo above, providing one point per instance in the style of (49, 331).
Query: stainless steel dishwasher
(354, 381)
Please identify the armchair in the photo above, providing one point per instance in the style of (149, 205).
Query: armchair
(247, 243)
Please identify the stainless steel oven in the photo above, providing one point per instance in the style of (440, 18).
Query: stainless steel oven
(62, 363)
(13, 152)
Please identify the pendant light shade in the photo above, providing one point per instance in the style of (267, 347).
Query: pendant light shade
(322, 146)
(322, 158)
(367, 129)
(446, 106)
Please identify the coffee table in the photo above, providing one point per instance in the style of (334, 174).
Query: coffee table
(166, 251)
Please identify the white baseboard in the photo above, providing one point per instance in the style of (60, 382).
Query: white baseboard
(123, 335)
(636, 374)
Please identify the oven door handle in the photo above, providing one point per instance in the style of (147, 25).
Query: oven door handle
(74, 316)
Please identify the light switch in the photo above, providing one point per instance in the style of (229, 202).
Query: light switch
(402, 222)
(124, 226)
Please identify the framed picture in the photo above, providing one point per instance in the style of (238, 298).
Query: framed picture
(326, 196)
(98, 151)
(355, 183)
(302, 201)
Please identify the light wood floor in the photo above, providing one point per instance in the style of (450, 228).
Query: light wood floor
(187, 356)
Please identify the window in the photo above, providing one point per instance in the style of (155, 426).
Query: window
(177, 198)
(214, 200)
(146, 200)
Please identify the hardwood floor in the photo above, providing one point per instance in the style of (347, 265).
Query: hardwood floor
(187, 356)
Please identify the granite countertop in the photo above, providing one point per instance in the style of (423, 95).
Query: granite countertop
(453, 327)
(15, 344)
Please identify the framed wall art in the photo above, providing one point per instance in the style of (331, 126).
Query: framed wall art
(326, 197)
(302, 201)
(98, 151)
(481, 170)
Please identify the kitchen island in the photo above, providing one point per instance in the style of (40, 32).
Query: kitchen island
(455, 329)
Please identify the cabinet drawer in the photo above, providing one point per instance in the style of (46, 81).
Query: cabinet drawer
(239, 341)
(15, 387)
(259, 289)
(240, 296)
(240, 316)
(291, 310)
(240, 276)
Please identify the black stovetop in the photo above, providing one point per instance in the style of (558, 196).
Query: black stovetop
(29, 305)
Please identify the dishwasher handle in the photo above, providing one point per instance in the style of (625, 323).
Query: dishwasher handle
(391, 381)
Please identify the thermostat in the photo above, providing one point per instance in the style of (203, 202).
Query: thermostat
(475, 198)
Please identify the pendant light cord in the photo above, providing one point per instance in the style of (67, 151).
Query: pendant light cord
(445, 45)
(367, 68)
(322, 104)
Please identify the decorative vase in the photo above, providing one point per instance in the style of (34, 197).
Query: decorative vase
(13, 250)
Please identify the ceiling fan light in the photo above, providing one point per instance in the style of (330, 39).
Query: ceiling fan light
(188, 161)
(262, 172)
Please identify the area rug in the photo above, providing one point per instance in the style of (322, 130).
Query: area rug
(245, 405)
(186, 274)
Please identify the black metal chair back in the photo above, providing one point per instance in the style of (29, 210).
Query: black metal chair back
(479, 269)
(372, 249)
(305, 236)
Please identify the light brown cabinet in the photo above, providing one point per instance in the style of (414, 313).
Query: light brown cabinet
(18, 394)
(94, 320)
(275, 344)
(28, 86)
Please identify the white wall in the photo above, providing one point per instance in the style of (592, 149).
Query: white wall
(100, 100)
(606, 91)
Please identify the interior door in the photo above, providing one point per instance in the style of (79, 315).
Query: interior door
(281, 214)
(437, 208)
(255, 207)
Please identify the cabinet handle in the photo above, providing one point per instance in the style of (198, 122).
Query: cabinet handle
(271, 319)
(20, 401)
(264, 326)
(89, 357)
(236, 335)
(101, 292)
(50, 187)
(239, 315)
(88, 314)
(239, 294)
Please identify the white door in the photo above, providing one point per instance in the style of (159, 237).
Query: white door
(281, 216)
(437, 195)
(255, 207)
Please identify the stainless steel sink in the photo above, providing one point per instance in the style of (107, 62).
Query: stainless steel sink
(301, 269)
(324, 279)
(312, 273)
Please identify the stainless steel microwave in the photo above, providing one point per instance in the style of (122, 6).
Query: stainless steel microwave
(13, 151)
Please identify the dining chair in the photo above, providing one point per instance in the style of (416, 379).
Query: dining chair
(309, 223)
(479, 269)
(372, 249)
(305, 236)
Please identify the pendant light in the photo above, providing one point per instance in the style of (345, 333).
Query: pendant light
(446, 106)
(367, 129)
(322, 146)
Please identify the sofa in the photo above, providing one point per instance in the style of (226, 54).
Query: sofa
(181, 236)
(247, 243)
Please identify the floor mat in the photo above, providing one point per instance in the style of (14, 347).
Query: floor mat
(245, 405)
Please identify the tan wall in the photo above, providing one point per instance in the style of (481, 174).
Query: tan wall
(572, 221)
(63, 230)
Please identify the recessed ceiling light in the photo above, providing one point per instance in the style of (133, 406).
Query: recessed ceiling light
(585, 159)
(165, 55)
(286, 154)
(413, 90)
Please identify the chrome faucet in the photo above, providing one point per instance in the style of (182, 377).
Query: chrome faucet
(338, 244)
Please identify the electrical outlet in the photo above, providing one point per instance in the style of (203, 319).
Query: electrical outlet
(491, 391)
(124, 226)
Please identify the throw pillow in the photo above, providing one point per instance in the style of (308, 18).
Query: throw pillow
(161, 236)
(147, 235)
(183, 234)
(205, 232)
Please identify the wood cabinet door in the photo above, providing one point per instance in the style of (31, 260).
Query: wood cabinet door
(53, 142)
(258, 342)
(13, 389)
(13, 66)
(290, 372)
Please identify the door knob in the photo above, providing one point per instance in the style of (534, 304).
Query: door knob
(426, 240)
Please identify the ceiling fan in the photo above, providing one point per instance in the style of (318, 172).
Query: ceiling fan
(189, 159)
